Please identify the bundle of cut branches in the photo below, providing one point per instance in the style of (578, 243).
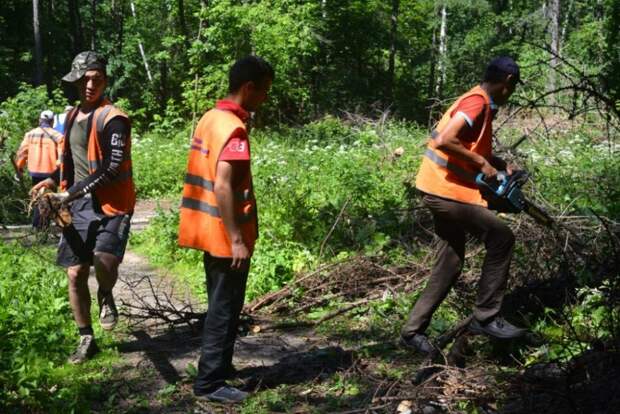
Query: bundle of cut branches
(51, 209)
(354, 282)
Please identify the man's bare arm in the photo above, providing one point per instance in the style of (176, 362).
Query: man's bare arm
(448, 142)
(225, 176)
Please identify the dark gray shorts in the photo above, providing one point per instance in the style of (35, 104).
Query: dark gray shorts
(92, 231)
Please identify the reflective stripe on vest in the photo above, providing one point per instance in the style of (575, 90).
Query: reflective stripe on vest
(101, 118)
(213, 211)
(462, 173)
(198, 205)
(40, 151)
(199, 181)
(442, 162)
(209, 185)
(93, 165)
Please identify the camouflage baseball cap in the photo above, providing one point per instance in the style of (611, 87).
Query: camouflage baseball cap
(84, 61)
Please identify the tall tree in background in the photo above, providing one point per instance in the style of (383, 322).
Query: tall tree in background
(93, 27)
(77, 36)
(38, 48)
(183, 23)
(554, 17)
(441, 58)
(141, 47)
(393, 39)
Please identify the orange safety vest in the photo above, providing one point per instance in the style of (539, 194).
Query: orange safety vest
(41, 150)
(201, 226)
(118, 196)
(447, 176)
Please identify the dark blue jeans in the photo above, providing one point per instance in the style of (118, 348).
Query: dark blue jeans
(226, 293)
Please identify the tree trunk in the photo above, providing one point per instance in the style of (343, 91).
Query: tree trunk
(76, 27)
(182, 23)
(38, 48)
(554, 16)
(50, 44)
(201, 24)
(93, 28)
(566, 21)
(441, 61)
(120, 20)
(144, 61)
(392, 58)
(431, 79)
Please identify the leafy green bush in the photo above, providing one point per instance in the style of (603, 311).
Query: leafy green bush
(35, 324)
(571, 330)
(159, 242)
(578, 171)
(38, 333)
(159, 164)
(19, 115)
(324, 189)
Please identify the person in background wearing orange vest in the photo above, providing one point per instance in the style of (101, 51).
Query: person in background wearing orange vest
(40, 152)
(218, 216)
(460, 147)
(95, 176)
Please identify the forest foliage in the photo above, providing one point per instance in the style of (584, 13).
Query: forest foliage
(332, 57)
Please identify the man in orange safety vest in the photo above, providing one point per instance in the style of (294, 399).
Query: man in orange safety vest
(218, 216)
(39, 152)
(459, 148)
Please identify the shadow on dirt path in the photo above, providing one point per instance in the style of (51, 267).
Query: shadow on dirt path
(158, 358)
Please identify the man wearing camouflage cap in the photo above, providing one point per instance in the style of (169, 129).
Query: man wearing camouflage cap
(95, 179)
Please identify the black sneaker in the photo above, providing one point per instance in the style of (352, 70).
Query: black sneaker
(498, 327)
(85, 350)
(418, 342)
(108, 315)
(225, 394)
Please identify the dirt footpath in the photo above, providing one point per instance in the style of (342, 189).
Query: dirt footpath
(158, 362)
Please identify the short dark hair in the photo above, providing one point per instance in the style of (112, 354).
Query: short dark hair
(249, 69)
(499, 68)
(494, 75)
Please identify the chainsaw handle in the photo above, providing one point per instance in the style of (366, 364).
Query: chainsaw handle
(502, 178)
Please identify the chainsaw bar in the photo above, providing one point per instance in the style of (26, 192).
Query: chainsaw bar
(538, 214)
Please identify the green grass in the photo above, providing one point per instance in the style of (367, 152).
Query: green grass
(38, 334)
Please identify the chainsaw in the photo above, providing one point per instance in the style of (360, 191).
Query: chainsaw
(503, 193)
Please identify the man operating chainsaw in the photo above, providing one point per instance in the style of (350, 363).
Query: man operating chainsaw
(460, 148)
(95, 177)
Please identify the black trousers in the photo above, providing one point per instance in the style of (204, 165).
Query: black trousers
(226, 293)
(452, 221)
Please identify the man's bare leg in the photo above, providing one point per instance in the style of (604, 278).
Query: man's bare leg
(106, 270)
(79, 298)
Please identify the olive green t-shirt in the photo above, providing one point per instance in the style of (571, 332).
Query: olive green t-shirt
(79, 149)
